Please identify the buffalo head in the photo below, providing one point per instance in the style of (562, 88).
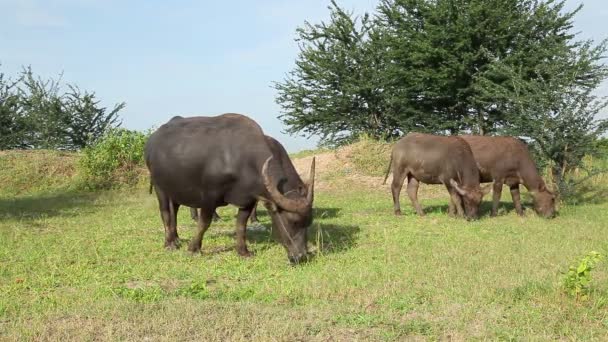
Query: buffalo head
(291, 213)
(544, 202)
(471, 198)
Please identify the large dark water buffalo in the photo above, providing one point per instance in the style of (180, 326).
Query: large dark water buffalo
(208, 162)
(433, 159)
(506, 160)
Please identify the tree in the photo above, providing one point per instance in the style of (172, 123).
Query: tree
(12, 127)
(36, 113)
(420, 65)
(560, 113)
(333, 91)
(85, 121)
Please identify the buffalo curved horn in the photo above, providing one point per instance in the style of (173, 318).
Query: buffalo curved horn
(311, 183)
(299, 205)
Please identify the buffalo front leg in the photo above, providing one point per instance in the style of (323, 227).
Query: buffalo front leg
(451, 207)
(396, 185)
(412, 192)
(516, 199)
(204, 221)
(455, 206)
(496, 193)
(241, 229)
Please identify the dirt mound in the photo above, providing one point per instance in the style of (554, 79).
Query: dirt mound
(335, 169)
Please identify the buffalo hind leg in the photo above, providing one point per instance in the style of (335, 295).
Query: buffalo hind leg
(254, 214)
(168, 213)
(412, 192)
(516, 199)
(396, 185)
(204, 221)
(496, 193)
(241, 230)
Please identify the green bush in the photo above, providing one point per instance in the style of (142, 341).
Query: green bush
(578, 278)
(114, 160)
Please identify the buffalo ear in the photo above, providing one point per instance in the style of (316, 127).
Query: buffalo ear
(457, 187)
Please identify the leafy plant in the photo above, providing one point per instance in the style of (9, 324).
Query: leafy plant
(578, 278)
(116, 159)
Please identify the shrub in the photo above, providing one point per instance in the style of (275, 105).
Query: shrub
(578, 278)
(114, 160)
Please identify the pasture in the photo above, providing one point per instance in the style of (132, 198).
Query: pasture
(90, 266)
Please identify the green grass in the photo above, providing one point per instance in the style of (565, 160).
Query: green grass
(87, 266)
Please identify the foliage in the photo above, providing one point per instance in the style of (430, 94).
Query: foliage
(38, 114)
(578, 278)
(450, 66)
(333, 90)
(12, 126)
(114, 160)
(559, 113)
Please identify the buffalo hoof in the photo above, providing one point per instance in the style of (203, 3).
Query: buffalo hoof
(398, 212)
(194, 249)
(171, 245)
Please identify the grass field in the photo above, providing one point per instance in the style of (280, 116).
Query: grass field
(90, 266)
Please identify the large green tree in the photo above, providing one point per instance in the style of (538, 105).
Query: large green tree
(332, 91)
(425, 65)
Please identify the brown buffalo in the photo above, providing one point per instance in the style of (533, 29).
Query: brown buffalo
(506, 160)
(433, 159)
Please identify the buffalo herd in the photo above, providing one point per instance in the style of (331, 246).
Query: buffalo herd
(208, 162)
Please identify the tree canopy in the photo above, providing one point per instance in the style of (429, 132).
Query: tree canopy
(439, 66)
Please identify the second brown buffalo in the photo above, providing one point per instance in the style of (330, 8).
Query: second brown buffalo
(506, 160)
(433, 159)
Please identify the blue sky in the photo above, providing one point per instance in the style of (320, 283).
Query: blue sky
(166, 58)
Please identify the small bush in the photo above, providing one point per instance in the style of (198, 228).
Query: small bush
(115, 160)
(578, 278)
(370, 157)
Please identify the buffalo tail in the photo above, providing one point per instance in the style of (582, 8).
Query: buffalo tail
(388, 170)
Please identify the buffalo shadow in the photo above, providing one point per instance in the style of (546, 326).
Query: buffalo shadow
(32, 207)
(328, 237)
(317, 213)
(485, 209)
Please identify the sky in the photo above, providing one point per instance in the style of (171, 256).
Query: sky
(166, 58)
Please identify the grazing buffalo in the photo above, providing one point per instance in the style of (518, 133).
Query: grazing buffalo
(208, 162)
(433, 159)
(506, 160)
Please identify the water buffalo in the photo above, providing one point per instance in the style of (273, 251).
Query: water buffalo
(208, 162)
(433, 159)
(506, 160)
